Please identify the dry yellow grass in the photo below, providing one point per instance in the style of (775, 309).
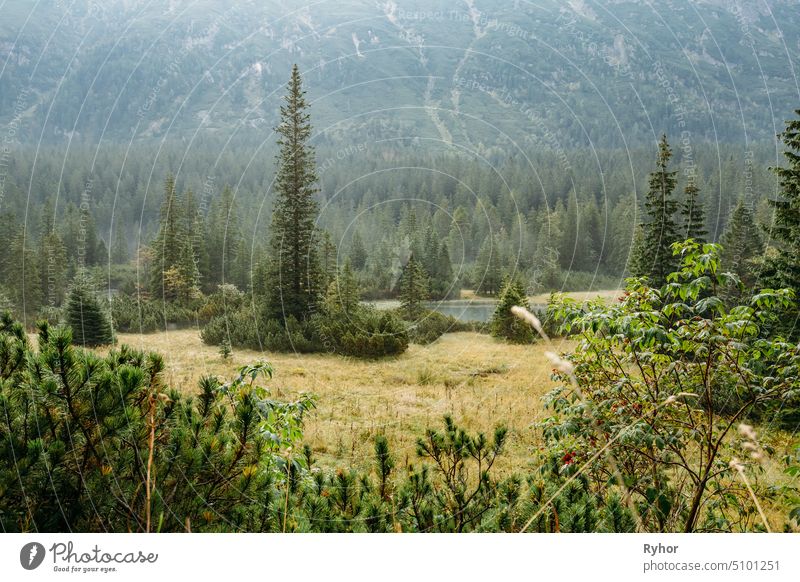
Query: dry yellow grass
(480, 381)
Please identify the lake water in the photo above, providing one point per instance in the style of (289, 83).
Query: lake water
(462, 309)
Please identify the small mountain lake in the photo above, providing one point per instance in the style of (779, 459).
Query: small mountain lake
(461, 309)
(481, 309)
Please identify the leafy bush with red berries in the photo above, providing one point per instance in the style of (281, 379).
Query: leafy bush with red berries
(652, 396)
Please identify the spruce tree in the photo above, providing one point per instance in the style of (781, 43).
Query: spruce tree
(24, 276)
(120, 253)
(412, 288)
(741, 245)
(446, 286)
(70, 225)
(358, 252)
(10, 228)
(294, 276)
(458, 239)
(343, 293)
(782, 268)
(165, 249)
(588, 256)
(187, 284)
(660, 230)
(88, 239)
(174, 271)
(408, 224)
(505, 324)
(52, 259)
(693, 214)
(636, 257)
(327, 259)
(195, 240)
(571, 243)
(89, 321)
(223, 240)
(622, 230)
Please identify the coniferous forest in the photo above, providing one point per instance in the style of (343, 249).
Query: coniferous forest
(307, 313)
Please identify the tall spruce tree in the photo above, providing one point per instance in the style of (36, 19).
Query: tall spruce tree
(412, 288)
(782, 267)
(120, 253)
(446, 285)
(294, 277)
(10, 227)
(660, 231)
(571, 245)
(24, 276)
(693, 213)
(195, 245)
(636, 257)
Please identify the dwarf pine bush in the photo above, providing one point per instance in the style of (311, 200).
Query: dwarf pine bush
(101, 444)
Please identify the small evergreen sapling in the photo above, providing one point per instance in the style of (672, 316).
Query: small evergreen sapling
(225, 349)
(504, 323)
(88, 319)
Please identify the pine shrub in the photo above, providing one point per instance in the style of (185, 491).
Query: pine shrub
(133, 314)
(79, 429)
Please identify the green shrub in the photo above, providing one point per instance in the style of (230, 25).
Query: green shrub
(429, 326)
(226, 299)
(74, 451)
(74, 455)
(652, 369)
(239, 328)
(133, 314)
(453, 488)
(364, 332)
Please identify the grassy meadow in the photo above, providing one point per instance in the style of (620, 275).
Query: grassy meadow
(477, 379)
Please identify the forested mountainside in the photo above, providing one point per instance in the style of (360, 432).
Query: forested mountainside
(483, 74)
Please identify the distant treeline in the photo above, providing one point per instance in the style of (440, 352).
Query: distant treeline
(558, 219)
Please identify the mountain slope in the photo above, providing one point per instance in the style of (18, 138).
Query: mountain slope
(478, 73)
